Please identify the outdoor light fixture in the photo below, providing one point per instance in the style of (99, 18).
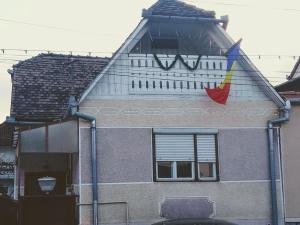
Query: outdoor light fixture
(47, 184)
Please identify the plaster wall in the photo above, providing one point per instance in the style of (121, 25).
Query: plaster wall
(291, 167)
(233, 201)
(125, 177)
(180, 112)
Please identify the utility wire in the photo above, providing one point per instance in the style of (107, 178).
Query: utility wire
(4, 51)
(198, 79)
(153, 68)
(53, 27)
(242, 5)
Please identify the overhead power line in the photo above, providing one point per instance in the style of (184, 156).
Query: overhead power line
(183, 77)
(45, 26)
(154, 68)
(4, 51)
(244, 5)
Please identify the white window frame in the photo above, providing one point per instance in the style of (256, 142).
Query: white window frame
(213, 178)
(174, 172)
(191, 131)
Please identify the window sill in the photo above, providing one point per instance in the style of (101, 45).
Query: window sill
(185, 180)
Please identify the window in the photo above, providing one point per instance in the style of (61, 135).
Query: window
(185, 157)
(206, 157)
(165, 44)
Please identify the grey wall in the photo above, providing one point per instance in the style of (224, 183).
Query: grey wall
(243, 154)
(247, 201)
(291, 166)
(124, 155)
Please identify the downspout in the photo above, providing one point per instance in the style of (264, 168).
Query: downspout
(284, 117)
(73, 109)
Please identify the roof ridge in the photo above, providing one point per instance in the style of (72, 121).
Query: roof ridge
(176, 8)
(43, 84)
(59, 56)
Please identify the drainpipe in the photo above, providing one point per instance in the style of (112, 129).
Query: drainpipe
(73, 107)
(284, 117)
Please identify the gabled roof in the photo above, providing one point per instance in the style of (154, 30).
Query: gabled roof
(290, 95)
(181, 9)
(42, 85)
(176, 8)
(291, 76)
(290, 85)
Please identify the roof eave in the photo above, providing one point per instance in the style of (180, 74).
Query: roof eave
(287, 82)
(223, 19)
(266, 86)
(123, 47)
(294, 70)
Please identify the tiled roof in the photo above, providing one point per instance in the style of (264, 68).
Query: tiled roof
(43, 84)
(289, 95)
(291, 76)
(178, 9)
(290, 85)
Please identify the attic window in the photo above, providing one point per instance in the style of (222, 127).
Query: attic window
(164, 44)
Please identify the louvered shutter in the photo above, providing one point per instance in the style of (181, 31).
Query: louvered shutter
(174, 147)
(206, 148)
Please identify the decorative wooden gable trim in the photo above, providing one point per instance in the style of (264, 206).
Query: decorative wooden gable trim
(138, 73)
(130, 41)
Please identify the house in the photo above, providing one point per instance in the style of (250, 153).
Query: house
(7, 161)
(290, 90)
(48, 140)
(178, 123)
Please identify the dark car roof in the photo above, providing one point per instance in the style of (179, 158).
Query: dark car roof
(193, 222)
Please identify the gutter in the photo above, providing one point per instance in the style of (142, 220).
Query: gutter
(13, 122)
(295, 101)
(73, 109)
(284, 117)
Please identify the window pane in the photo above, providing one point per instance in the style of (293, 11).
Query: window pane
(164, 169)
(206, 170)
(164, 44)
(184, 169)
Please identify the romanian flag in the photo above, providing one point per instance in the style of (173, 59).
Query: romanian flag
(221, 93)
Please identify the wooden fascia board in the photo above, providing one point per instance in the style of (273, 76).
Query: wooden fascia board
(267, 88)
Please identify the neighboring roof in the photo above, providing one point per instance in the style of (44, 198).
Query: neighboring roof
(6, 135)
(290, 95)
(290, 85)
(176, 8)
(43, 84)
(291, 76)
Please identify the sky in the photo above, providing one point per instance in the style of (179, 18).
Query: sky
(269, 29)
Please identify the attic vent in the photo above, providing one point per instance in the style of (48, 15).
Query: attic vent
(164, 44)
